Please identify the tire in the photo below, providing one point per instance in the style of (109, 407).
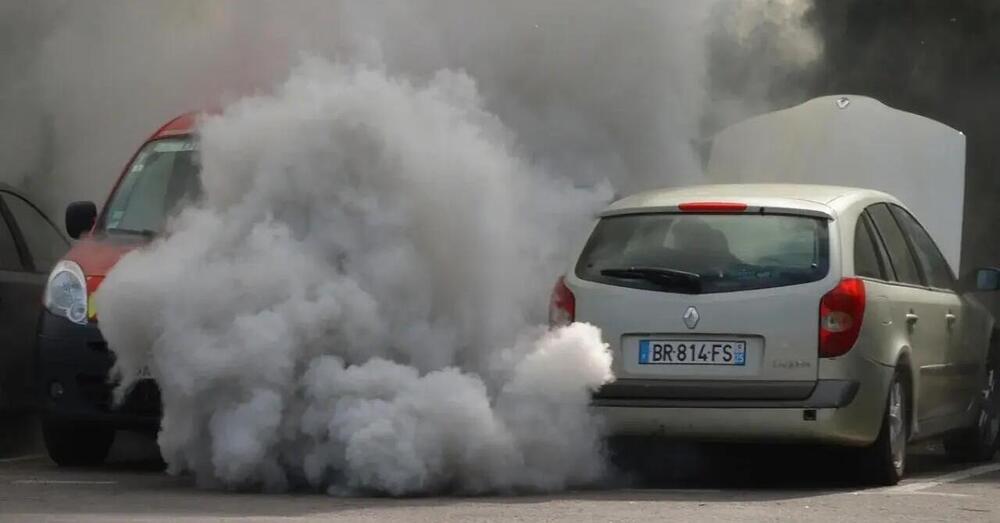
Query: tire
(70, 446)
(884, 462)
(980, 442)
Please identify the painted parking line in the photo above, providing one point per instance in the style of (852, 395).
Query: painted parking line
(18, 459)
(940, 494)
(684, 491)
(63, 482)
(918, 486)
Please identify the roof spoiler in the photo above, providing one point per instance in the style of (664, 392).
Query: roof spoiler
(749, 209)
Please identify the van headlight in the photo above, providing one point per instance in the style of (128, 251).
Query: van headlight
(66, 292)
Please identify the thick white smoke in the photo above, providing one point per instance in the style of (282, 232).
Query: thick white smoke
(593, 91)
(355, 302)
(354, 305)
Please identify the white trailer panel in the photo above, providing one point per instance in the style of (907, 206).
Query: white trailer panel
(854, 141)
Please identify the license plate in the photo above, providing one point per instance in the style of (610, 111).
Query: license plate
(145, 374)
(692, 352)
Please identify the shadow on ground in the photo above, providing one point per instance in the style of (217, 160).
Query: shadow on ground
(19, 435)
(131, 484)
(647, 470)
(644, 463)
(134, 451)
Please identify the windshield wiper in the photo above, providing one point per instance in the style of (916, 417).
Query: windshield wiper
(672, 279)
(146, 233)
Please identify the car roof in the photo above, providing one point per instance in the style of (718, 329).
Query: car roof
(4, 187)
(11, 189)
(824, 199)
(183, 124)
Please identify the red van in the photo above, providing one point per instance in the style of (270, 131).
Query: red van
(79, 419)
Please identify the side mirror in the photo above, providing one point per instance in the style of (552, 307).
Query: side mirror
(987, 279)
(80, 217)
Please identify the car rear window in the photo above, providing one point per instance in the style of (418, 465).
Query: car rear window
(706, 253)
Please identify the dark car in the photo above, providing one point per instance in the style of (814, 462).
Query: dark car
(29, 246)
(79, 415)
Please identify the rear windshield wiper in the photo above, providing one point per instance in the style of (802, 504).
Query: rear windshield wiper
(672, 279)
(147, 233)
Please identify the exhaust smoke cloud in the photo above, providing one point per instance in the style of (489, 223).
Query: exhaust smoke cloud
(355, 304)
(592, 92)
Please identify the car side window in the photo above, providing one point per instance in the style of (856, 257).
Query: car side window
(10, 258)
(867, 262)
(45, 244)
(931, 260)
(896, 245)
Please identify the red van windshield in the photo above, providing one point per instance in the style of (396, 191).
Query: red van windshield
(162, 179)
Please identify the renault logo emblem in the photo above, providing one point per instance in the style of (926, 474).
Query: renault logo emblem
(691, 317)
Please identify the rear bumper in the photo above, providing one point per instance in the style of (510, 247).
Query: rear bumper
(822, 394)
(72, 368)
(838, 412)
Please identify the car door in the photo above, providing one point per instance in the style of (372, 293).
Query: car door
(959, 370)
(37, 245)
(13, 283)
(921, 312)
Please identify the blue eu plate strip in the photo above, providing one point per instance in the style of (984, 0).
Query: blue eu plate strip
(644, 351)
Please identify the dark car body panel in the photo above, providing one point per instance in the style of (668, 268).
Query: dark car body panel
(21, 288)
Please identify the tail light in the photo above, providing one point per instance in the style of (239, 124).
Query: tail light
(562, 305)
(840, 314)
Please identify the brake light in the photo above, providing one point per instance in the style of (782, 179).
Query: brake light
(562, 305)
(712, 207)
(840, 314)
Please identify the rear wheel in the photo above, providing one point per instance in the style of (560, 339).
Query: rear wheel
(885, 460)
(980, 442)
(71, 446)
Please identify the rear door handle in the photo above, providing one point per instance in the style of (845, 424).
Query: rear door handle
(911, 318)
(950, 318)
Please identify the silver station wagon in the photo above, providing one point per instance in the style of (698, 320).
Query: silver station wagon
(786, 313)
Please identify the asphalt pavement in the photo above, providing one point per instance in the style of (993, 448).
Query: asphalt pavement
(675, 482)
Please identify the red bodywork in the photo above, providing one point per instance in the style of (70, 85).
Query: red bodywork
(97, 255)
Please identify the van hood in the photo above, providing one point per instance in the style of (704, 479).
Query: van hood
(96, 255)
